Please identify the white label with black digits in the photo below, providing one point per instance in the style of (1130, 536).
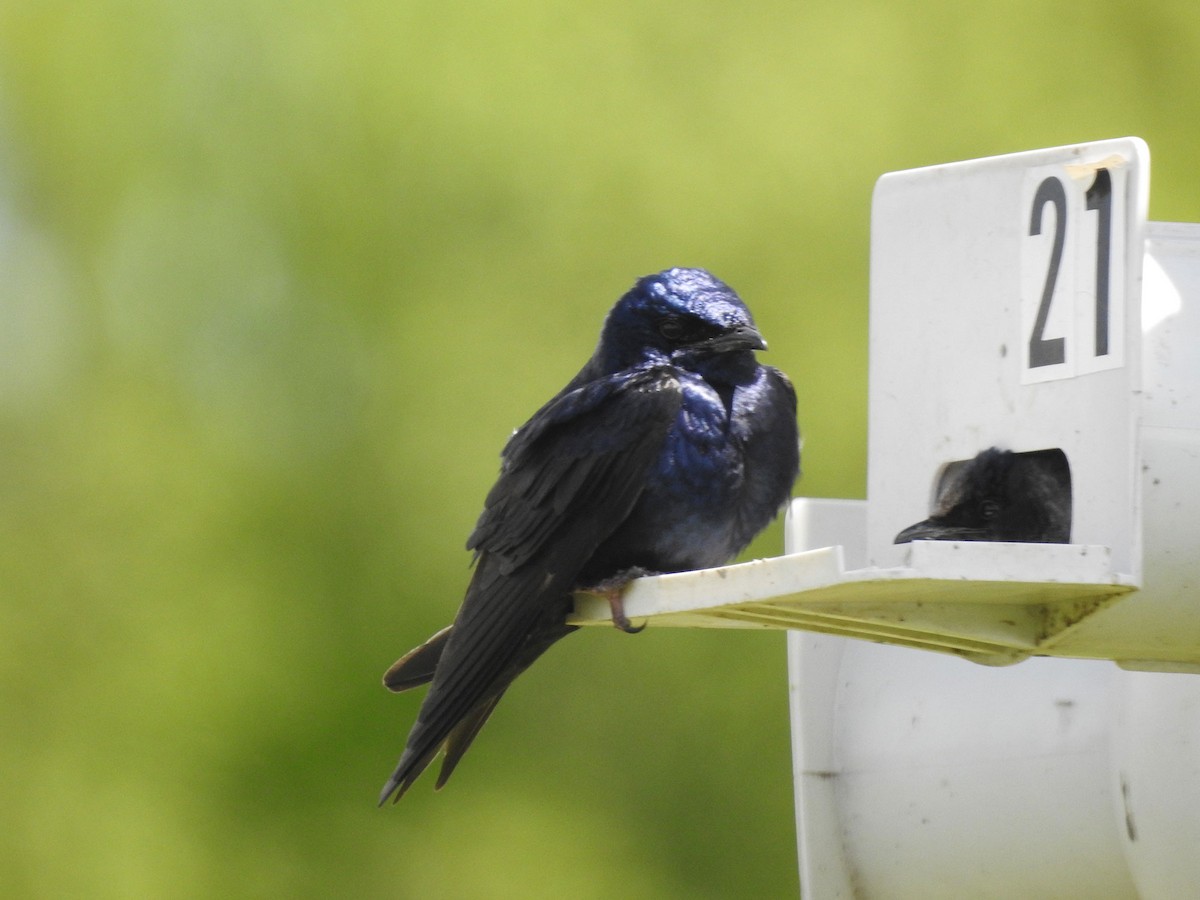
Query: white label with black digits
(1073, 270)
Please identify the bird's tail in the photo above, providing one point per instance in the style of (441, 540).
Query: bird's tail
(455, 745)
(416, 667)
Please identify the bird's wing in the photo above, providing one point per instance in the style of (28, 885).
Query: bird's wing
(582, 457)
(570, 477)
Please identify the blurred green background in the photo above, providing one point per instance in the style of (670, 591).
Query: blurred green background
(277, 279)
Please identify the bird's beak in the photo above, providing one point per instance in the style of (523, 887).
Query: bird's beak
(741, 337)
(934, 531)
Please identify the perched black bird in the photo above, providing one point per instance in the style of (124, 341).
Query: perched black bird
(669, 451)
(1001, 496)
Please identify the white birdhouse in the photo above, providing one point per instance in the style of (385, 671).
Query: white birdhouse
(1020, 301)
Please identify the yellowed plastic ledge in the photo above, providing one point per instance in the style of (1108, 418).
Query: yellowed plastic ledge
(993, 603)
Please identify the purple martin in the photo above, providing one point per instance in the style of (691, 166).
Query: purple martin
(669, 451)
(1001, 496)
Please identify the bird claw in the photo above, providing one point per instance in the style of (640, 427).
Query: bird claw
(620, 620)
(612, 590)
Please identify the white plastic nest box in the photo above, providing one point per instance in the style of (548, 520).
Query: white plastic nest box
(1023, 301)
(1008, 308)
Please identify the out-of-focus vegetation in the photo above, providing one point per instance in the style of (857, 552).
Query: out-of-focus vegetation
(277, 280)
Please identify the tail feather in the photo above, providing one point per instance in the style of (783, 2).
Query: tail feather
(461, 737)
(469, 682)
(455, 745)
(404, 776)
(416, 667)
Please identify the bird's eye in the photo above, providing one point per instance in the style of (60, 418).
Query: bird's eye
(672, 328)
(989, 508)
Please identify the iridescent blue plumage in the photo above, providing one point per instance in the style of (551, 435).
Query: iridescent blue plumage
(669, 451)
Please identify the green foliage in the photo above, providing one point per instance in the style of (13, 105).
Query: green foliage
(276, 281)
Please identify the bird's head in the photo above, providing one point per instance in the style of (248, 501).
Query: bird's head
(682, 316)
(1001, 496)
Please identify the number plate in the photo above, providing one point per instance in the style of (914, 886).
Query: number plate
(1073, 269)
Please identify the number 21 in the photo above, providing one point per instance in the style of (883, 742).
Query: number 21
(1045, 351)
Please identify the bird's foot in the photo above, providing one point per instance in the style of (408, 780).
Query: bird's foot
(613, 591)
(619, 619)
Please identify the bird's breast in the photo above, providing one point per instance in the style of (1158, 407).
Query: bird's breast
(702, 456)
